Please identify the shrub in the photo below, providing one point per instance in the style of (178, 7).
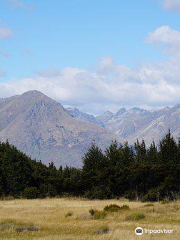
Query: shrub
(149, 205)
(112, 208)
(115, 208)
(92, 211)
(69, 214)
(99, 215)
(31, 193)
(125, 207)
(135, 217)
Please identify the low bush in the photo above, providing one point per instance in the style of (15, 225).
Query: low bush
(125, 207)
(112, 208)
(149, 205)
(115, 208)
(99, 215)
(135, 217)
(92, 211)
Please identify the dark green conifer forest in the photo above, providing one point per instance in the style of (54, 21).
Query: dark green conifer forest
(135, 172)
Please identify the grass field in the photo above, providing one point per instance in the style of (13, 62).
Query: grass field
(69, 219)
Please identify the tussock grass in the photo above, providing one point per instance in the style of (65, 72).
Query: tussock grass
(135, 217)
(10, 225)
(49, 216)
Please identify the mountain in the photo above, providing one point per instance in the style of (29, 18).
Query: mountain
(137, 123)
(125, 122)
(141, 124)
(43, 129)
(76, 113)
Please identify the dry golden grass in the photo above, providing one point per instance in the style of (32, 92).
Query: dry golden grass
(69, 219)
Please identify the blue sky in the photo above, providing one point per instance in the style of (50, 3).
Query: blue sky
(57, 41)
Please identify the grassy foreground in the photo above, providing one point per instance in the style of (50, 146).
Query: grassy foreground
(69, 219)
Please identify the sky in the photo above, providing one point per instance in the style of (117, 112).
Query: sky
(95, 55)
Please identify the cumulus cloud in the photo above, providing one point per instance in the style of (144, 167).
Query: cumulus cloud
(5, 32)
(172, 5)
(111, 85)
(167, 37)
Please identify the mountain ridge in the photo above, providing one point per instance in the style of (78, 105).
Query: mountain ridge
(137, 123)
(47, 131)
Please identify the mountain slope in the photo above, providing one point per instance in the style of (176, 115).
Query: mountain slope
(76, 113)
(141, 124)
(40, 127)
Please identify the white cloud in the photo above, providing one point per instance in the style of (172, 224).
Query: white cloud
(5, 32)
(167, 37)
(111, 85)
(21, 5)
(172, 5)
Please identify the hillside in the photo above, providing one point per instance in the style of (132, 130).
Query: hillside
(76, 113)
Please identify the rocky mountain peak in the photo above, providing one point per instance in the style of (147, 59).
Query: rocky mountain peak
(120, 112)
(43, 129)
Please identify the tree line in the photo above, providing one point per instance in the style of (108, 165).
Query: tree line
(136, 172)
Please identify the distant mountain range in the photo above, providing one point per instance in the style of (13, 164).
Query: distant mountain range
(142, 124)
(43, 129)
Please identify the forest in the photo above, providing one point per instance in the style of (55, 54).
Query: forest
(135, 172)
